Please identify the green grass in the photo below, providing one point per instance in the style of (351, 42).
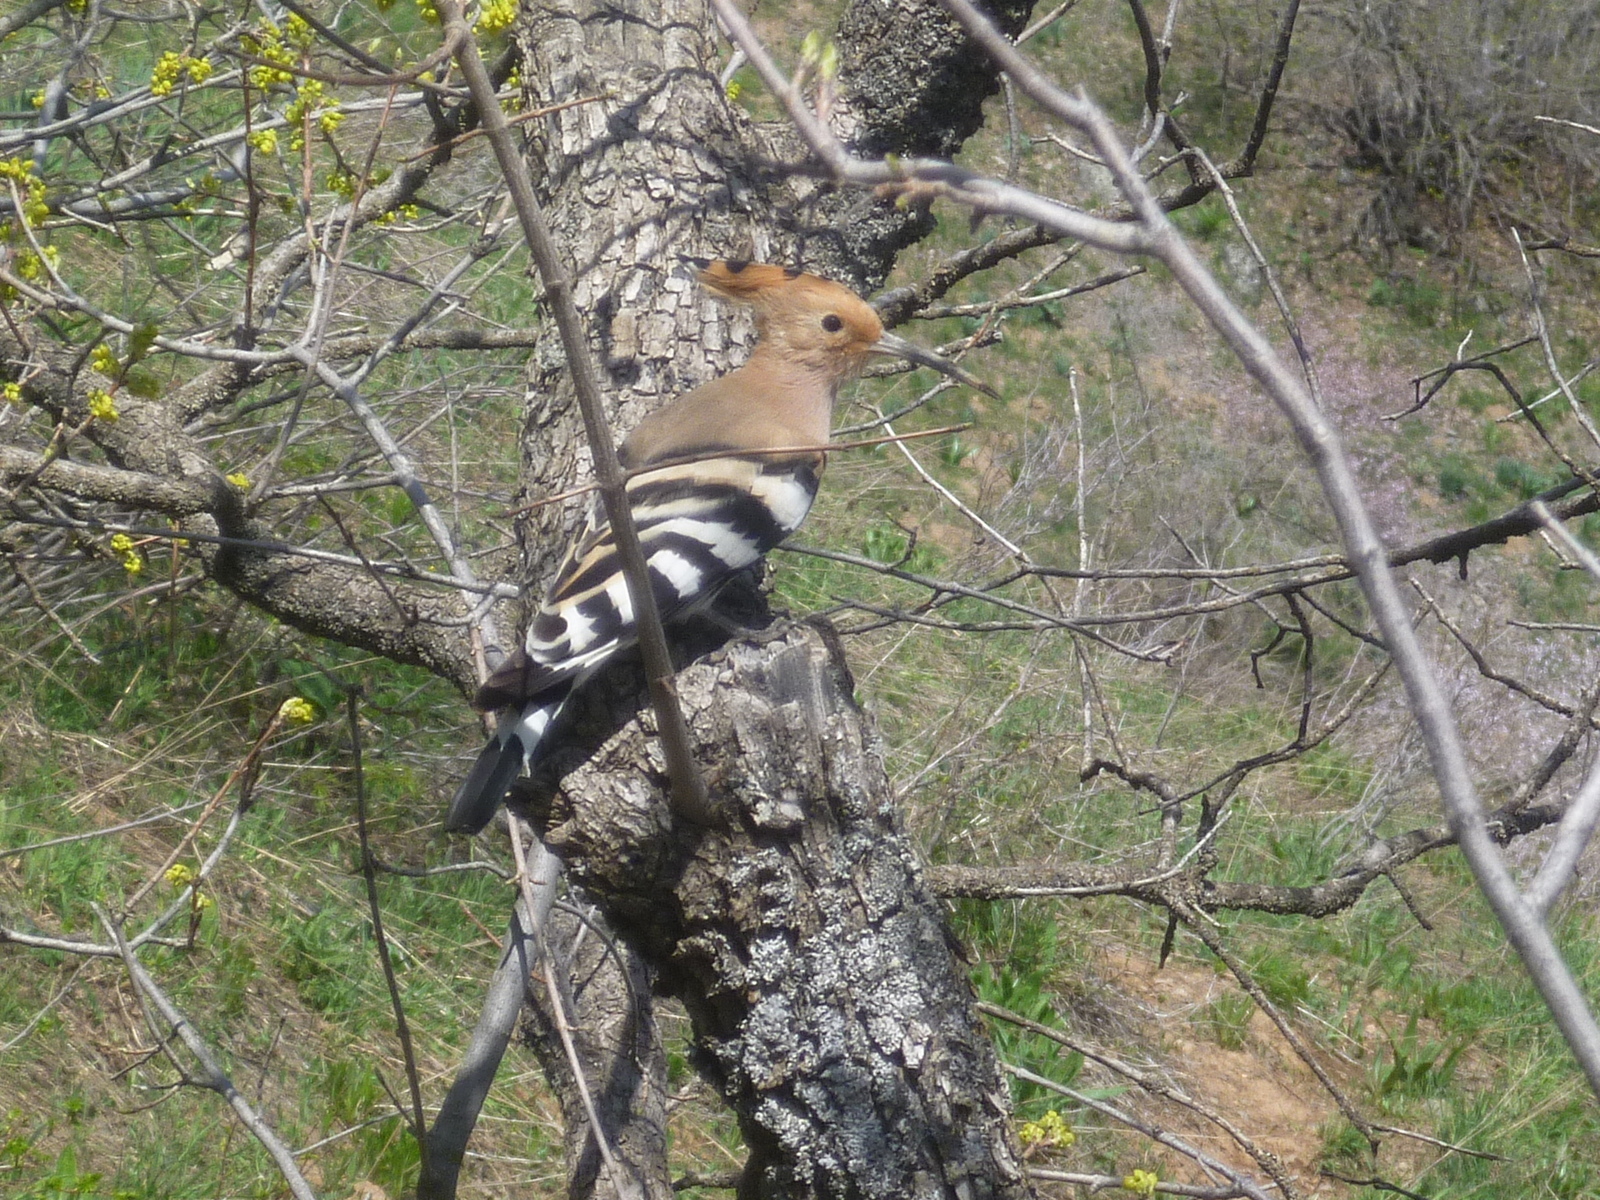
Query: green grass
(1442, 1020)
(1228, 1018)
(1025, 957)
(281, 977)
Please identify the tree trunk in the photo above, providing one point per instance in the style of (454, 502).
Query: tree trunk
(826, 995)
(827, 1003)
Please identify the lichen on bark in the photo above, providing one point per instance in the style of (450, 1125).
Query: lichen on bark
(827, 999)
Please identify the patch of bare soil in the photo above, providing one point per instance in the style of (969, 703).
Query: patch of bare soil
(1263, 1089)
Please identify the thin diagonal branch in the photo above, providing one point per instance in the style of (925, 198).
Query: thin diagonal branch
(689, 796)
(1322, 445)
(214, 1078)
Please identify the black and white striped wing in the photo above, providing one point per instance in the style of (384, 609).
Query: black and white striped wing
(699, 524)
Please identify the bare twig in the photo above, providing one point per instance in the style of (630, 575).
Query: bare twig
(1541, 330)
(62, 992)
(402, 1027)
(539, 879)
(1308, 365)
(622, 1182)
(1157, 1084)
(213, 1077)
(1105, 1183)
(1246, 1186)
(169, 814)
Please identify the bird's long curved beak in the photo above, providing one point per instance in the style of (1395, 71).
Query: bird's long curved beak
(898, 347)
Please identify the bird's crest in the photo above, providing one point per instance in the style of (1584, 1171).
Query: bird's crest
(748, 281)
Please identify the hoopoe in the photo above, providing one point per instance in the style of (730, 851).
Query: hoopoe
(718, 477)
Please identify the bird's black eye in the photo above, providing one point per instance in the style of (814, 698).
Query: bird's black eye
(832, 323)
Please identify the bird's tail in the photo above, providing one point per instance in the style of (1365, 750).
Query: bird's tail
(509, 752)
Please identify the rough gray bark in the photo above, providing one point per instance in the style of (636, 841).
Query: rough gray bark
(910, 83)
(827, 999)
(667, 167)
(627, 187)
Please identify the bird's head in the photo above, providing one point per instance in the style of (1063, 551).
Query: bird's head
(802, 318)
(815, 322)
